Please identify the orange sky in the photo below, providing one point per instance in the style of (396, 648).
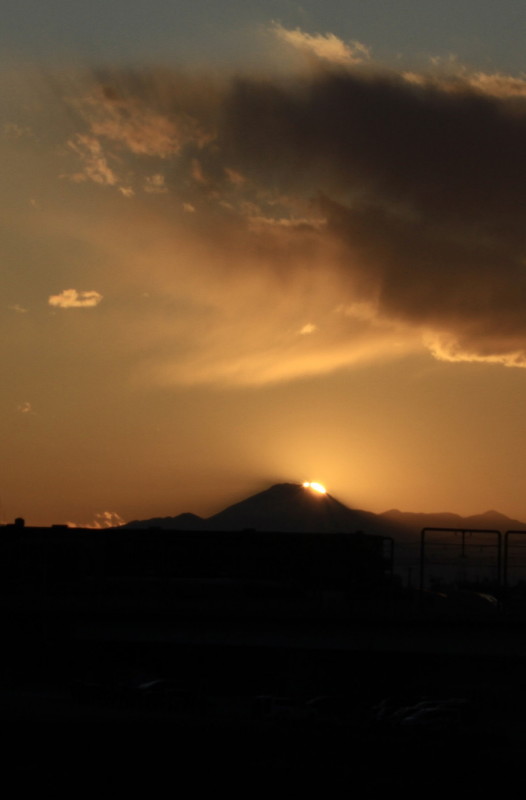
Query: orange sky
(213, 281)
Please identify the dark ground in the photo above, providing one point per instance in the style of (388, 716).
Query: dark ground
(422, 707)
(123, 671)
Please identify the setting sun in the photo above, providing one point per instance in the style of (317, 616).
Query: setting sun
(316, 487)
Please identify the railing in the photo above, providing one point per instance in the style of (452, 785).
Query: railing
(467, 539)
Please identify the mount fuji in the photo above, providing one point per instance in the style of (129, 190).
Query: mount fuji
(296, 508)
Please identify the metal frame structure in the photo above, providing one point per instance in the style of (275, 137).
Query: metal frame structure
(506, 552)
(463, 532)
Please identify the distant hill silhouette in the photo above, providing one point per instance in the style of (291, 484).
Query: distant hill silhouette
(290, 507)
(182, 522)
(406, 524)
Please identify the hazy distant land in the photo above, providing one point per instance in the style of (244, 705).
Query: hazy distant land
(289, 507)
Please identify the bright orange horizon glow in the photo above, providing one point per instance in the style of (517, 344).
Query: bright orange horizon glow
(316, 487)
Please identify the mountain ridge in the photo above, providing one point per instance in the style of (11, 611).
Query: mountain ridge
(289, 507)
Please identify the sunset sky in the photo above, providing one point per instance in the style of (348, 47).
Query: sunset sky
(253, 241)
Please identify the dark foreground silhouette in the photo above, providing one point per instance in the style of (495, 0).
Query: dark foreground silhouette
(133, 659)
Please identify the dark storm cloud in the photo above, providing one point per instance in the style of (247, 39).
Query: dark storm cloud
(394, 140)
(424, 183)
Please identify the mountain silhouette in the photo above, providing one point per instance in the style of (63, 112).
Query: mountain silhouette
(292, 508)
(407, 524)
(182, 522)
(285, 507)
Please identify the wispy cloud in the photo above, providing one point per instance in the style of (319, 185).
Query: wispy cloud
(25, 408)
(71, 298)
(498, 85)
(102, 519)
(325, 46)
(13, 130)
(95, 166)
(136, 127)
(155, 184)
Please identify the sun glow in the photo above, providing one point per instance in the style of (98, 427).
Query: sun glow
(316, 487)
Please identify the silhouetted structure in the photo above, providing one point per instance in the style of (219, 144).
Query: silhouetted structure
(187, 572)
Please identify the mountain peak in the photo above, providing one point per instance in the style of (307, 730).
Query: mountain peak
(290, 507)
(283, 507)
(300, 508)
